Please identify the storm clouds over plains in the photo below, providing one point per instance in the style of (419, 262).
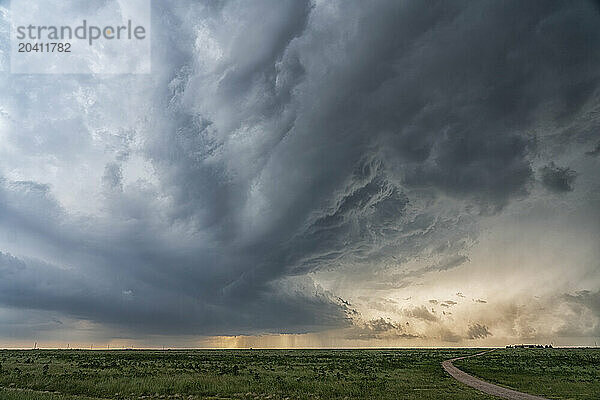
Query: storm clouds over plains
(387, 170)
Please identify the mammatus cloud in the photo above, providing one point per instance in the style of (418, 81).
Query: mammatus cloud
(264, 171)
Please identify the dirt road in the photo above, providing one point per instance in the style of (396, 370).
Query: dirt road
(483, 386)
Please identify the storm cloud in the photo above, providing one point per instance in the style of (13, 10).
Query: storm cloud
(282, 151)
(558, 179)
(478, 331)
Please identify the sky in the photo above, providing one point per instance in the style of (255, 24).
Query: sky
(297, 173)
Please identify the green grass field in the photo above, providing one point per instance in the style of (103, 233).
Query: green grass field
(554, 373)
(272, 374)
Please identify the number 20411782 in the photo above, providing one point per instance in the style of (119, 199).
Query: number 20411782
(44, 47)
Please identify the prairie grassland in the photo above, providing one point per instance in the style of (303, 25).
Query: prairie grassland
(288, 374)
(231, 374)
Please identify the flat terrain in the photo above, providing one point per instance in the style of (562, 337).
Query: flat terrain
(234, 374)
(552, 373)
(256, 374)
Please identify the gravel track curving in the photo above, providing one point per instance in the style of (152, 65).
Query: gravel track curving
(484, 386)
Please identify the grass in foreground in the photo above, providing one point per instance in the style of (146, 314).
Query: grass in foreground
(554, 373)
(13, 394)
(233, 374)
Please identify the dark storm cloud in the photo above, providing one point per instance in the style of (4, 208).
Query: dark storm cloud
(421, 313)
(478, 331)
(379, 329)
(288, 137)
(558, 179)
(129, 287)
(31, 284)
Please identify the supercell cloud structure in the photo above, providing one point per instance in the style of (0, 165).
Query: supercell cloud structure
(312, 166)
